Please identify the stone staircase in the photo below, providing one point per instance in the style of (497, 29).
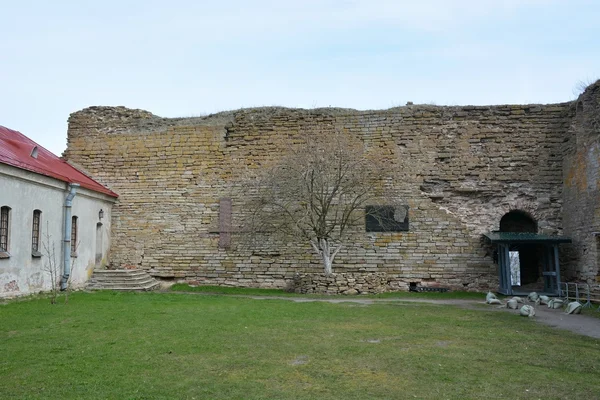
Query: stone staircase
(130, 280)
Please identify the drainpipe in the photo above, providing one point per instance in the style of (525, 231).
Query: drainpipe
(67, 236)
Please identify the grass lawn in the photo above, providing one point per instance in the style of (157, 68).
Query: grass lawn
(161, 345)
(183, 287)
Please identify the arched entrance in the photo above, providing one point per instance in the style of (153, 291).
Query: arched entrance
(527, 260)
(525, 257)
(518, 221)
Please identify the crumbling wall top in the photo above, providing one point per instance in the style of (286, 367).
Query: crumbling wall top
(122, 119)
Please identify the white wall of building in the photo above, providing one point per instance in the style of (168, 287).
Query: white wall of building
(24, 192)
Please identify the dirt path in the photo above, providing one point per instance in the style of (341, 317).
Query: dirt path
(581, 324)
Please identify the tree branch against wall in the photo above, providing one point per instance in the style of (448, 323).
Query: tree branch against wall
(318, 191)
(53, 267)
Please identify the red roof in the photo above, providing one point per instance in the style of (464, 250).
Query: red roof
(16, 150)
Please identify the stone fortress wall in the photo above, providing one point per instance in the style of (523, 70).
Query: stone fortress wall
(581, 192)
(460, 169)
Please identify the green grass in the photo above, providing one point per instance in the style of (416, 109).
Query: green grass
(182, 287)
(164, 346)
(432, 295)
(592, 311)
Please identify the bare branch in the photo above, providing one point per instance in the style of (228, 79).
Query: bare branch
(317, 191)
(51, 266)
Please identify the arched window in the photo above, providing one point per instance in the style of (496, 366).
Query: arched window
(4, 228)
(35, 233)
(99, 243)
(74, 238)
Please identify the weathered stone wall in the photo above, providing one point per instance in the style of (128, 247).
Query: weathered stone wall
(582, 186)
(461, 169)
(344, 283)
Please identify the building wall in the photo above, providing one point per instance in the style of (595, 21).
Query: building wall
(25, 192)
(460, 169)
(582, 186)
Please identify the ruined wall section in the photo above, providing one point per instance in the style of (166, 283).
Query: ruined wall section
(458, 168)
(582, 186)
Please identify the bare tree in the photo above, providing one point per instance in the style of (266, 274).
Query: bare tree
(51, 265)
(69, 287)
(318, 191)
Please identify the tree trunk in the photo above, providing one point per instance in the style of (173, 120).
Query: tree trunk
(326, 252)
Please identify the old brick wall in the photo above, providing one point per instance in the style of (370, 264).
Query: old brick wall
(582, 186)
(460, 169)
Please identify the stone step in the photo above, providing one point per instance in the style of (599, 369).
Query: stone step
(123, 283)
(126, 289)
(123, 280)
(120, 272)
(137, 288)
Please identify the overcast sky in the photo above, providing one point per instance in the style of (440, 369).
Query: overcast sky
(182, 58)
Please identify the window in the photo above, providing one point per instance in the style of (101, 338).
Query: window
(4, 225)
(35, 234)
(98, 243)
(386, 218)
(74, 237)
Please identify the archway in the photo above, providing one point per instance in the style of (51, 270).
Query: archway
(525, 258)
(518, 221)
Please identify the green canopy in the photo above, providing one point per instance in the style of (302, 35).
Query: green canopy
(509, 243)
(518, 237)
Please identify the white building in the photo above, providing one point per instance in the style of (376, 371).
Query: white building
(54, 220)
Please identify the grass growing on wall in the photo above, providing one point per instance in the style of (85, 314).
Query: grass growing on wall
(163, 346)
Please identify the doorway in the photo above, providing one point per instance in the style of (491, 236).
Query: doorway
(524, 258)
(98, 244)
